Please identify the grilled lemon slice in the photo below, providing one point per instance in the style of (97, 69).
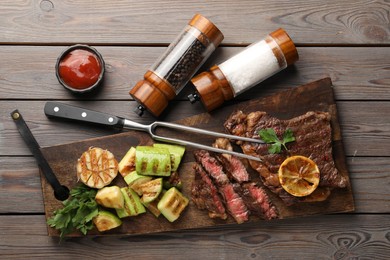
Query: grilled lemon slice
(96, 167)
(299, 175)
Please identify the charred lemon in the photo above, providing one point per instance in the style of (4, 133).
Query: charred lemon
(299, 175)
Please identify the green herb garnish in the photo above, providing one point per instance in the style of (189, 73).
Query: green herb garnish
(269, 136)
(77, 212)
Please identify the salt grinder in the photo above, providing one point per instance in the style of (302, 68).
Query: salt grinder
(172, 71)
(244, 70)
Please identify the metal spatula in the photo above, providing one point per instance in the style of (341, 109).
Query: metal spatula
(61, 110)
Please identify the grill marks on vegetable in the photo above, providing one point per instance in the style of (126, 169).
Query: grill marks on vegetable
(153, 161)
(97, 167)
(177, 204)
(132, 202)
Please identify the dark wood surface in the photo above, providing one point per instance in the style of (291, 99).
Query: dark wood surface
(348, 41)
(315, 96)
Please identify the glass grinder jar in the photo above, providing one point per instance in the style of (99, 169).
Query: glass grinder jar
(172, 71)
(244, 70)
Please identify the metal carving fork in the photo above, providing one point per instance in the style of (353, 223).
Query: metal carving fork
(60, 110)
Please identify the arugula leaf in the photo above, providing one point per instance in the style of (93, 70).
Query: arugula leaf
(77, 212)
(269, 136)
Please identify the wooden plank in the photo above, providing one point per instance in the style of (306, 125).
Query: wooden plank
(364, 124)
(314, 96)
(360, 76)
(322, 237)
(21, 186)
(367, 174)
(156, 21)
(357, 73)
(365, 136)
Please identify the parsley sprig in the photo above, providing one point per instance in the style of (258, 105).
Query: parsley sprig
(77, 212)
(269, 136)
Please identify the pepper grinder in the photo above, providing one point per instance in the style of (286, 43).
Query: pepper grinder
(244, 70)
(172, 71)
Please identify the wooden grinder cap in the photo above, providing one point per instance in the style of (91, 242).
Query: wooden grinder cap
(213, 88)
(207, 28)
(286, 45)
(153, 93)
(149, 97)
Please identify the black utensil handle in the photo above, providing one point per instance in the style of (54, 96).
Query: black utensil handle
(61, 110)
(60, 192)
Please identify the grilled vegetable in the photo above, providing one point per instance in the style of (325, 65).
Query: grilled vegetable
(151, 190)
(127, 164)
(110, 197)
(154, 161)
(133, 205)
(152, 207)
(106, 220)
(172, 204)
(176, 152)
(96, 167)
(135, 180)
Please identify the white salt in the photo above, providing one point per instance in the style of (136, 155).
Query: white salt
(254, 64)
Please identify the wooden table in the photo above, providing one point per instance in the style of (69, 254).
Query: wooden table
(348, 41)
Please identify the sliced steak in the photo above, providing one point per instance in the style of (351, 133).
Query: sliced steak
(232, 165)
(212, 167)
(205, 194)
(234, 203)
(258, 198)
(313, 136)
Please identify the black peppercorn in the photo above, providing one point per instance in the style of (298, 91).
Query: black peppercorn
(165, 79)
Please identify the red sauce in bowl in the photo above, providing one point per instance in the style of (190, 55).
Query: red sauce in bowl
(80, 69)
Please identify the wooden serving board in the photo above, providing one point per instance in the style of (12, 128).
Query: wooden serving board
(317, 95)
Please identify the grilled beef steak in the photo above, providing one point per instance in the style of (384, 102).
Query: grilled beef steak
(257, 200)
(233, 166)
(205, 194)
(313, 135)
(234, 203)
(241, 198)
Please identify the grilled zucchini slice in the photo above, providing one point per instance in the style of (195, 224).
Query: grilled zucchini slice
(172, 204)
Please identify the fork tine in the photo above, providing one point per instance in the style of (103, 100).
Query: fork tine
(203, 131)
(204, 147)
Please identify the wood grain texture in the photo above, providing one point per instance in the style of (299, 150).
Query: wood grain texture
(156, 21)
(361, 73)
(21, 186)
(315, 96)
(364, 125)
(323, 237)
(345, 40)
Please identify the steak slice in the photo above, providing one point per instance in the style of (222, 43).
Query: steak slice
(205, 194)
(258, 198)
(233, 166)
(313, 136)
(234, 203)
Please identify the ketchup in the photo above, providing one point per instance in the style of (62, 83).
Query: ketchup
(80, 69)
